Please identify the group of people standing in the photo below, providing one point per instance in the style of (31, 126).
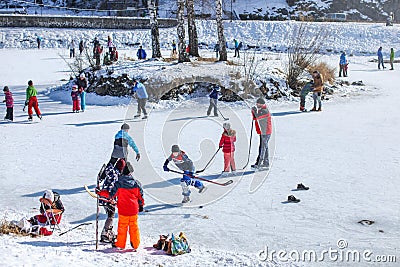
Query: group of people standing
(380, 58)
(78, 94)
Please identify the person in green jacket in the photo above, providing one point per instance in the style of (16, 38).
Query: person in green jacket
(391, 58)
(31, 101)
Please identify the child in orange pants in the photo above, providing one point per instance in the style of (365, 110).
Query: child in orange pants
(130, 202)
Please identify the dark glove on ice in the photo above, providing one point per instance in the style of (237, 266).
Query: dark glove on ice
(166, 169)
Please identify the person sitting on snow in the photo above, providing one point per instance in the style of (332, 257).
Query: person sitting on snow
(51, 210)
(185, 164)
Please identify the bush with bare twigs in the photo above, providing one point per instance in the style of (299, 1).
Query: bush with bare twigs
(327, 71)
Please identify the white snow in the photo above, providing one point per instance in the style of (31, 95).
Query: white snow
(348, 155)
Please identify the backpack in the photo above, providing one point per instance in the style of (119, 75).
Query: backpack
(240, 45)
(173, 246)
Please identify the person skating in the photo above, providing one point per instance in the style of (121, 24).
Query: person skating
(31, 101)
(173, 53)
(342, 65)
(9, 100)
(130, 202)
(142, 96)
(262, 120)
(307, 88)
(317, 91)
(82, 85)
(141, 53)
(51, 210)
(380, 58)
(227, 143)
(75, 99)
(213, 102)
(182, 161)
(391, 58)
(112, 173)
(81, 47)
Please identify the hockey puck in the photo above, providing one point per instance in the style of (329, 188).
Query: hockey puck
(200, 207)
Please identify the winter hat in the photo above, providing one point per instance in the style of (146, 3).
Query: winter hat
(82, 75)
(128, 168)
(125, 126)
(49, 195)
(227, 126)
(74, 86)
(175, 148)
(260, 101)
(6, 89)
(120, 165)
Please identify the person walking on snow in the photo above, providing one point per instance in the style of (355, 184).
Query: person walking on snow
(182, 161)
(141, 53)
(75, 99)
(262, 119)
(342, 65)
(214, 102)
(236, 43)
(391, 58)
(227, 143)
(82, 85)
(380, 58)
(110, 44)
(71, 49)
(130, 202)
(31, 101)
(9, 104)
(81, 47)
(142, 96)
(318, 89)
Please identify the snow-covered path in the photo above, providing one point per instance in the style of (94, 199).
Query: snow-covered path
(348, 155)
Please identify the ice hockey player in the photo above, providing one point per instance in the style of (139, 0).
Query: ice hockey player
(31, 101)
(262, 119)
(186, 165)
(130, 202)
(227, 143)
(213, 102)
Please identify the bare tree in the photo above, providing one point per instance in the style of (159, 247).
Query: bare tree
(303, 51)
(182, 56)
(193, 40)
(155, 36)
(220, 29)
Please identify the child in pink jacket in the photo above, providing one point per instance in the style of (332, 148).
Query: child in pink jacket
(9, 104)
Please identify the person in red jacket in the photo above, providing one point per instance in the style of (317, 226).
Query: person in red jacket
(227, 143)
(130, 202)
(262, 119)
(75, 99)
(9, 103)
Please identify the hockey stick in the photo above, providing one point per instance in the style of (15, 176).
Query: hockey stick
(98, 206)
(251, 137)
(75, 228)
(209, 162)
(221, 114)
(203, 179)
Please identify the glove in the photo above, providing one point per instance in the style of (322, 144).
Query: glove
(166, 168)
(140, 208)
(137, 157)
(26, 102)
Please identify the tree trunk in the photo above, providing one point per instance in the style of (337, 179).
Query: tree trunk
(193, 40)
(155, 36)
(182, 56)
(220, 29)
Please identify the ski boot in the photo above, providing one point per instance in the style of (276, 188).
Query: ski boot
(108, 236)
(293, 199)
(302, 187)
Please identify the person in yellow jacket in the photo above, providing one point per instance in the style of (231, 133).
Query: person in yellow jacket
(31, 101)
(391, 58)
(318, 89)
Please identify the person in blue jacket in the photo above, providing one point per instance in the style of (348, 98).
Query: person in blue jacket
(141, 54)
(342, 65)
(380, 58)
(121, 143)
(213, 102)
(142, 96)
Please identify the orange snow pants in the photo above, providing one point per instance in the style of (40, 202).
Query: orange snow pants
(125, 222)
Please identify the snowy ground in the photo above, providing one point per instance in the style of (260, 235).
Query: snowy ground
(347, 154)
